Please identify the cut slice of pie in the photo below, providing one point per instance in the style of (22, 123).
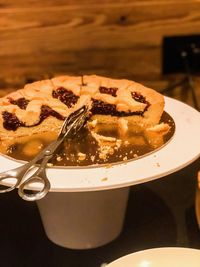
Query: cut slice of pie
(42, 106)
(114, 99)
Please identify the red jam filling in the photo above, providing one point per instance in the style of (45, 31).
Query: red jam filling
(46, 111)
(140, 98)
(11, 122)
(21, 102)
(110, 91)
(100, 107)
(65, 96)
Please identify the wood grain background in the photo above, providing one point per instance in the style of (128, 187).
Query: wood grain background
(115, 38)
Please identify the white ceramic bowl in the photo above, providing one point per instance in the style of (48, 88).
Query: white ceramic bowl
(160, 257)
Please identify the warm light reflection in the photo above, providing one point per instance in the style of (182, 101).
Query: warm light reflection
(145, 264)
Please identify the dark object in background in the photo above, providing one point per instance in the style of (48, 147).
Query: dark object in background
(175, 49)
(181, 54)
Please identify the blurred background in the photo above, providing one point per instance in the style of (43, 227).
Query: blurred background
(119, 39)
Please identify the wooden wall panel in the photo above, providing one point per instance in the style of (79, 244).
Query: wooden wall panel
(115, 38)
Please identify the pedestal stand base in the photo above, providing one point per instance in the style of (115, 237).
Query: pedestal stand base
(83, 220)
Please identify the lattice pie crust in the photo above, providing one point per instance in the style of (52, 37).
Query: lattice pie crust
(42, 106)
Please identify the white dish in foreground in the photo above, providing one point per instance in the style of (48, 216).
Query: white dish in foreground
(160, 257)
(183, 149)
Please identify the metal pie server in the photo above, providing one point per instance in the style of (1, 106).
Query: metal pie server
(71, 126)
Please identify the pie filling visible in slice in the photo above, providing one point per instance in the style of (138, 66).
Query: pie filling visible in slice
(42, 106)
(11, 122)
(100, 107)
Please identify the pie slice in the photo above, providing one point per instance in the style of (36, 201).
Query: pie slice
(114, 99)
(42, 106)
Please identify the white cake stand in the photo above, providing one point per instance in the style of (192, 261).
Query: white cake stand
(86, 206)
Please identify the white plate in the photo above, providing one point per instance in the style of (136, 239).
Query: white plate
(160, 257)
(183, 149)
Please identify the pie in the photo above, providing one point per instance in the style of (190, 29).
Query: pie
(42, 106)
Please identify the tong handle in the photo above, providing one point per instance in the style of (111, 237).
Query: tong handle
(72, 124)
(15, 174)
(4, 188)
(39, 176)
(29, 196)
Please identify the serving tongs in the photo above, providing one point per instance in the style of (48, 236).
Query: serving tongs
(72, 124)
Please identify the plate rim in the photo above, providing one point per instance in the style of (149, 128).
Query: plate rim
(150, 250)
